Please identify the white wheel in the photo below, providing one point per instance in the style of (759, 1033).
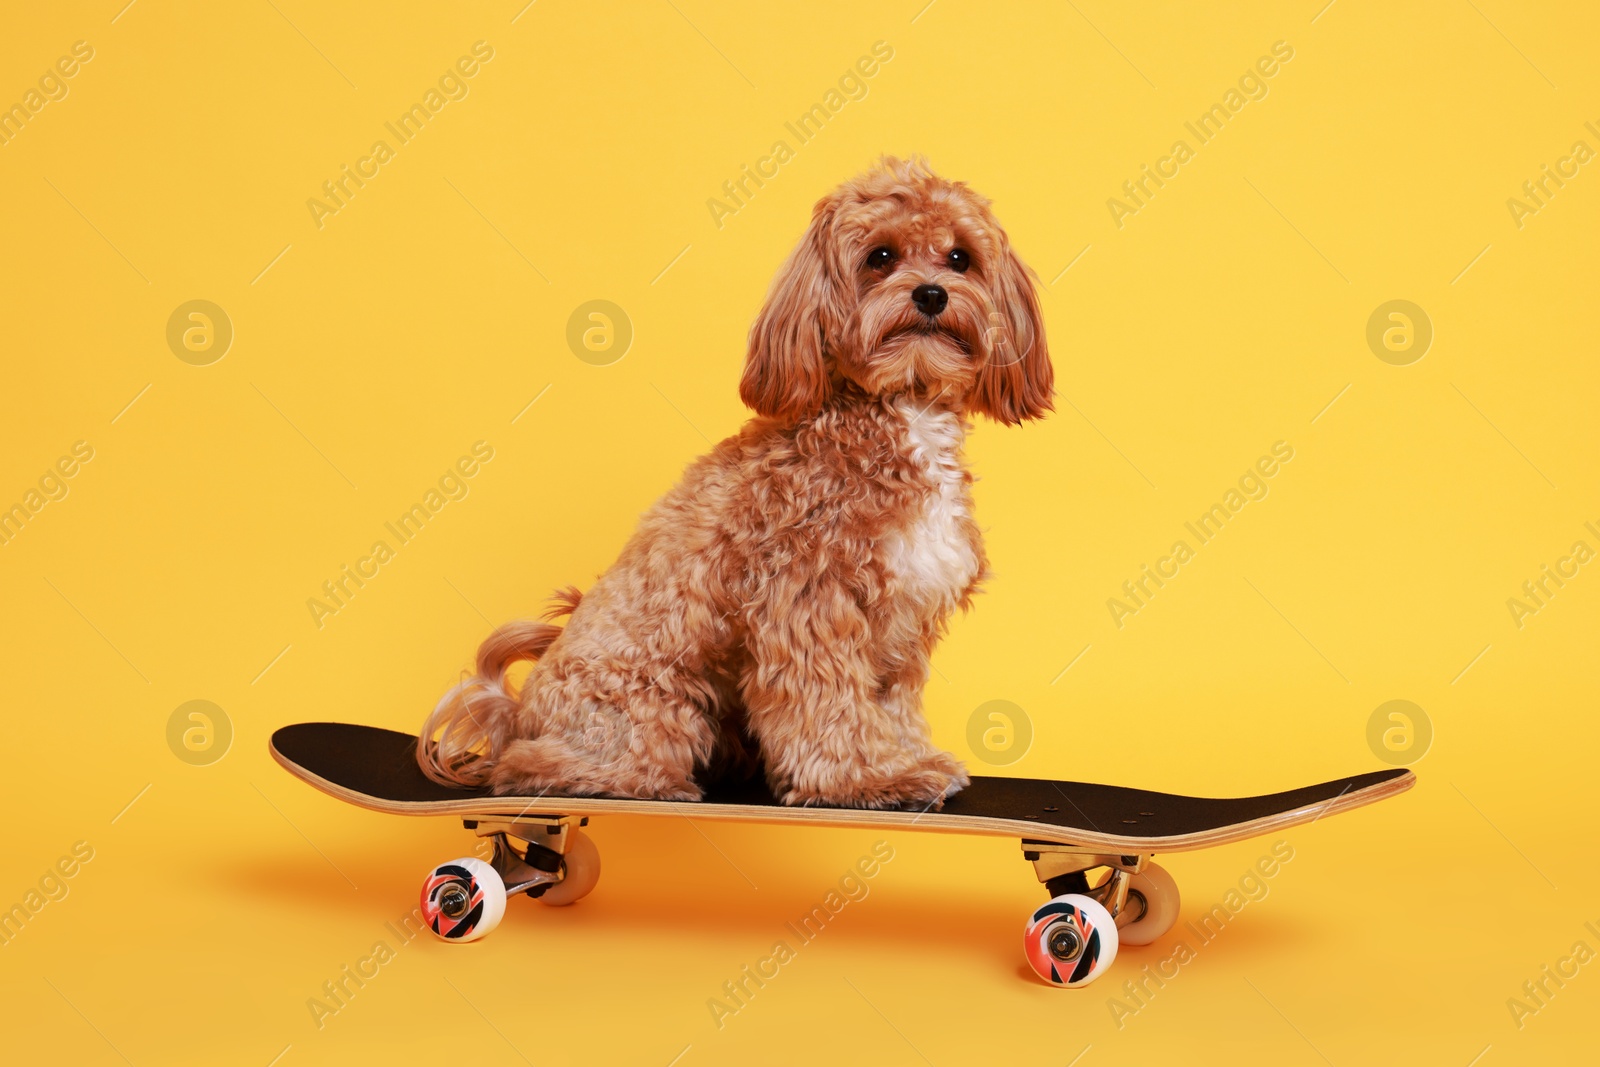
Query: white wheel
(463, 900)
(1070, 940)
(582, 863)
(1153, 905)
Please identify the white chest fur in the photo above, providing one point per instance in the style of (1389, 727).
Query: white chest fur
(932, 556)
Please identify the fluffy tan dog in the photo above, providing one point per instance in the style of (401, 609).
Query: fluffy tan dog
(789, 592)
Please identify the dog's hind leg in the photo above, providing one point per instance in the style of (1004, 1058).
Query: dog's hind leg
(644, 742)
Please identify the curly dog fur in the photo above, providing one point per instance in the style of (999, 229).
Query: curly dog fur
(778, 608)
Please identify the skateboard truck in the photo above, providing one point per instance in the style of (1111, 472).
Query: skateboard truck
(539, 863)
(1066, 868)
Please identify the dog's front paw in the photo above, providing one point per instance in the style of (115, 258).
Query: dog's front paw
(914, 783)
(935, 779)
(688, 791)
(959, 779)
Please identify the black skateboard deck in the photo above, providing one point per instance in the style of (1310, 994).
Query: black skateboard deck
(377, 769)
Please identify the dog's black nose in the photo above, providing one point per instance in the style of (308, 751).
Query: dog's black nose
(930, 299)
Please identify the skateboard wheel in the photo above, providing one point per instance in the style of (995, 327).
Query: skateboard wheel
(463, 900)
(582, 865)
(1070, 940)
(1159, 892)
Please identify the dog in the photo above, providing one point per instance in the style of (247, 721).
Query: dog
(779, 607)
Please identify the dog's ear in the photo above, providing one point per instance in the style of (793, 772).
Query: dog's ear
(786, 369)
(1016, 380)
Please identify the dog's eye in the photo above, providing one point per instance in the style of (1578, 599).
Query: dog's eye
(959, 260)
(879, 258)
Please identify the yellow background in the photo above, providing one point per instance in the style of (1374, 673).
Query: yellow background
(426, 314)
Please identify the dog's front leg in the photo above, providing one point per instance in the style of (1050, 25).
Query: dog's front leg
(812, 696)
(900, 695)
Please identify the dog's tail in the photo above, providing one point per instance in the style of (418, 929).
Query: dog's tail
(472, 724)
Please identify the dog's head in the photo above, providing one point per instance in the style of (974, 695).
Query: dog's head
(904, 284)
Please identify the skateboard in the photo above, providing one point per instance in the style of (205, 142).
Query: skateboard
(1090, 845)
